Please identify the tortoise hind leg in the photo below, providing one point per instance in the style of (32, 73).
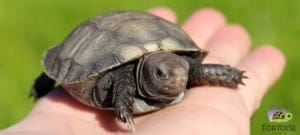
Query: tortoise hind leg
(42, 85)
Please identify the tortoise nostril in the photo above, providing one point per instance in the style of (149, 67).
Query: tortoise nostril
(161, 75)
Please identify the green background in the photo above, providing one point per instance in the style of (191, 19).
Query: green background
(29, 27)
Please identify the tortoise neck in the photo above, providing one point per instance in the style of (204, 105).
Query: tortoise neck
(139, 78)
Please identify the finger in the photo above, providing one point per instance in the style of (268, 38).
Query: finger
(228, 45)
(203, 24)
(165, 13)
(263, 67)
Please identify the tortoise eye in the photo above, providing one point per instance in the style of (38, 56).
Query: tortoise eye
(160, 74)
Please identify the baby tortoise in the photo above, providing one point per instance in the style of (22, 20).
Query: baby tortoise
(130, 62)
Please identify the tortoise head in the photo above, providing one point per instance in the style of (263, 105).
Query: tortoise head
(162, 76)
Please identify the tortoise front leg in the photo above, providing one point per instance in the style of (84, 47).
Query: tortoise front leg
(124, 90)
(123, 102)
(214, 75)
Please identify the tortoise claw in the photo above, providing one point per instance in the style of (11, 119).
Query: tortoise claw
(242, 77)
(131, 124)
(242, 83)
(123, 114)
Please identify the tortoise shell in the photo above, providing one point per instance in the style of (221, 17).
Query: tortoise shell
(108, 41)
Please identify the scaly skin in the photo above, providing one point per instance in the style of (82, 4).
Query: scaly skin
(123, 92)
(213, 75)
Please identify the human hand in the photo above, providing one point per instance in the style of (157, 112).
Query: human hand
(205, 110)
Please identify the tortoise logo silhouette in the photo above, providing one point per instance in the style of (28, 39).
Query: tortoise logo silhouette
(279, 115)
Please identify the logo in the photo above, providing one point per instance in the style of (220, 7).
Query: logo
(279, 122)
(279, 115)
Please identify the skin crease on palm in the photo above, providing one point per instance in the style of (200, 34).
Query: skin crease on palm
(205, 110)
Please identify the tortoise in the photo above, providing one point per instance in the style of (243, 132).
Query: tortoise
(131, 62)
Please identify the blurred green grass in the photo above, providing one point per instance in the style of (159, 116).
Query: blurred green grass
(28, 28)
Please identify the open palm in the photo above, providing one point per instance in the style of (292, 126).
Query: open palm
(205, 110)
